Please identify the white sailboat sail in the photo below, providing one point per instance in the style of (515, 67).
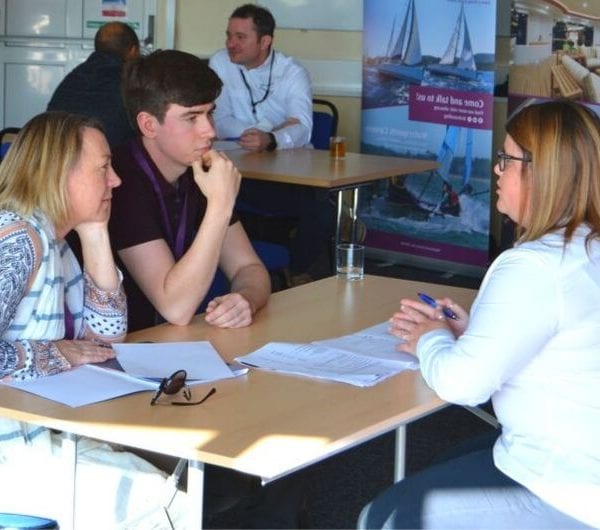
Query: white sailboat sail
(413, 56)
(389, 46)
(404, 60)
(451, 63)
(467, 59)
(397, 51)
(450, 54)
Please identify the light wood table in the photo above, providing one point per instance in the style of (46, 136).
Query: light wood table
(314, 167)
(264, 424)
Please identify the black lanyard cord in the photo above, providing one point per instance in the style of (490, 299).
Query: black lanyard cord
(252, 102)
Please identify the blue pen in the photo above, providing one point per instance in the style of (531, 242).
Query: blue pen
(430, 301)
(232, 139)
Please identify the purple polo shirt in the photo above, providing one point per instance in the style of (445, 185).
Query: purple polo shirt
(136, 218)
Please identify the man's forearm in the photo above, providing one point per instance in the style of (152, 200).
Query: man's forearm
(292, 133)
(254, 284)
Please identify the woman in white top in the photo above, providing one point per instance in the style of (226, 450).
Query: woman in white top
(531, 344)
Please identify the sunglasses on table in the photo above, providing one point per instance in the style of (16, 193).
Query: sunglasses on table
(174, 384)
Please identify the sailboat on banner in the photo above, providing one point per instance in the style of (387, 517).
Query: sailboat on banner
(404, 60)
(436, 196)
(451, 63)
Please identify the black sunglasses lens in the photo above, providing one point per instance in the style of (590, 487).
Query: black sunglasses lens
(175, 383)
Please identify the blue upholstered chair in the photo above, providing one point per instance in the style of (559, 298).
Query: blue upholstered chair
(22, 522)
(276, 259)
(325, 123)
(6, 137)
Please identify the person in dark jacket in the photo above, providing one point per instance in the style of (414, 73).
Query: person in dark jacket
(94, 87)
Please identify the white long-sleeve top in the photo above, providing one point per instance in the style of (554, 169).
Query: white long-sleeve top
(290, 96)
(533, 346)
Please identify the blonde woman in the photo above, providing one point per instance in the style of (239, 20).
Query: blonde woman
(57, 177)
(531, 344)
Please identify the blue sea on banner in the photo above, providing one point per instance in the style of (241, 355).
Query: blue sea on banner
(414, 205)
(382, 91)
(379, 211)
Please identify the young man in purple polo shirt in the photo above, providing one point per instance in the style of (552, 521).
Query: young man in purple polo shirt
(172, 222)
(172, 225)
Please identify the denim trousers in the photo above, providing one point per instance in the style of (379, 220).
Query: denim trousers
(464, 492)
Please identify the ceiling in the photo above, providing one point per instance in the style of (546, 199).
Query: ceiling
(567, 9)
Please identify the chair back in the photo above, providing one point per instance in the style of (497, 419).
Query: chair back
(7, 136)
(219, 287)
(21, 522)
(275, 257)
(325, 123)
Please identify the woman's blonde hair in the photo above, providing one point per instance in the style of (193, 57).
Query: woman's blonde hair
(563, 178)
(33, 175)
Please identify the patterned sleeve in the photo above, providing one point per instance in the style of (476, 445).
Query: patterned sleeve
(19, 260)
(104, 312)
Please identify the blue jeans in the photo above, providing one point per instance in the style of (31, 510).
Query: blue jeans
(464, 492)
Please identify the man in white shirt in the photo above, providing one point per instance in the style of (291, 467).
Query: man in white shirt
(266, 100)
(266, 104)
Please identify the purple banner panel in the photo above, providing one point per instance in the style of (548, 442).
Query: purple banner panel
(450, 107)
(428, 249)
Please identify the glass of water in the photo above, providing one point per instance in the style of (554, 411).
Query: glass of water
(350, 261)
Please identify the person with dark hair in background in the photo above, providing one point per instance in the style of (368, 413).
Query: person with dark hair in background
(531, 344)
(94, 87)
(266, 103)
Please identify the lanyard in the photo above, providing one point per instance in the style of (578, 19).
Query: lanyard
(177, 243)
(252, 102)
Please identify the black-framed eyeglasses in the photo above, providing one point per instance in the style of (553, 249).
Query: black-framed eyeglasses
(503, 157)
(176, 383)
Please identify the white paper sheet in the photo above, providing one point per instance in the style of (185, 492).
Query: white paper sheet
(144, 366)
(363, 358)
(85, 385)
(160, 359)
(375, 341)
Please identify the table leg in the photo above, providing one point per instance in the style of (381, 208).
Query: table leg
(353, 216)
(338, 223)
(485, 416)
(195, 492)
(400, 455)
(69, 456)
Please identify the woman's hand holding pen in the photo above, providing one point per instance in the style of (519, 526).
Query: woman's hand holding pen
(416, 318)
(458, 325)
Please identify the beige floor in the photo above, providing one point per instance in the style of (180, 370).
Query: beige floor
(532, 79)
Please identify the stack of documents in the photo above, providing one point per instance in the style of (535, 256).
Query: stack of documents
(142, 367)
(363, 358)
